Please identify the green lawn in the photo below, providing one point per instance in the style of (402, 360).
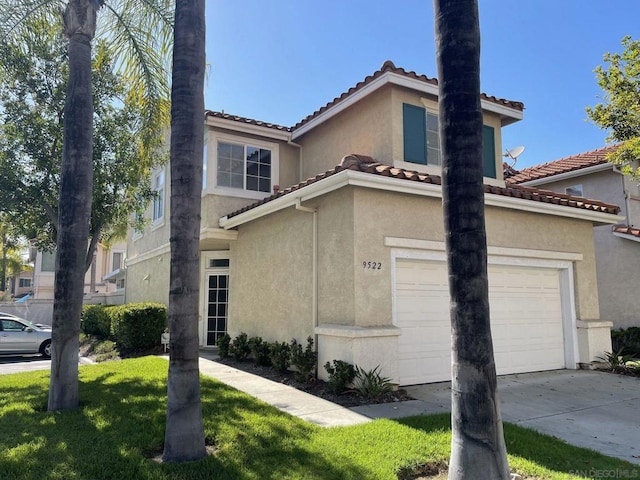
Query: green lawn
(121, 424)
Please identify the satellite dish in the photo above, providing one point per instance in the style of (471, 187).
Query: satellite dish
(513, 154)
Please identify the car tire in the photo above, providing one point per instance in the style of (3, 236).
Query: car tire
(45, 349)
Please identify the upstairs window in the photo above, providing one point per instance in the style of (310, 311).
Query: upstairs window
(117, 261)
(421, 140)
(24, 282)
(574, 190)
(158, 199)
(48, 262)
(244, 167)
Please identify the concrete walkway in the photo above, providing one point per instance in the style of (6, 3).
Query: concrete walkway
(585, 408)
(288, 399)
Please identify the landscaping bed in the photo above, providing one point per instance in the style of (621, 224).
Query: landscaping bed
(319, 388)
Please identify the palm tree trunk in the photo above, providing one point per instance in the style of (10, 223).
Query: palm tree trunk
(184, 435)
(74, 207)
(477, 446)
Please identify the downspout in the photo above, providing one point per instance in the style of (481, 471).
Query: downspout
(314, 269)
(627, 205)
(298, 146)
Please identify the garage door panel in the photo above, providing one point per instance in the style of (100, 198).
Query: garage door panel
(526, 320)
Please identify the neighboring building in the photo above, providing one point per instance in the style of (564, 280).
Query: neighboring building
(294, 246)
(21, 285)
(617, 248)
(104, 281)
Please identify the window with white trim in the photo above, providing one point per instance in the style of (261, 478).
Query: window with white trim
(24, 282)
(158, 199)
(117, 261)
(244, 166)
(574, 190)
(421, 140)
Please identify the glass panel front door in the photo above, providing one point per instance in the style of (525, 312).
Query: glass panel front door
(216, 307)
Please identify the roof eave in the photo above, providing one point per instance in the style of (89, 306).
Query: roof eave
(249, 128)
(367, 180)
(627, 236)
(568, 175)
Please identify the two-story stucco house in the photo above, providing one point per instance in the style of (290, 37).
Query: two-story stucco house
(333, 228)
(617, 248)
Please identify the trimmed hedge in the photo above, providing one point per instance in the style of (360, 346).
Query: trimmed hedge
(627, 340)
(138, 326)
(95, 320)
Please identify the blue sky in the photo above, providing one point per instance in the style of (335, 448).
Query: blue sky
(280, 60)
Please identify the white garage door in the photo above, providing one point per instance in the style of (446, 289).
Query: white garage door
(526, 320)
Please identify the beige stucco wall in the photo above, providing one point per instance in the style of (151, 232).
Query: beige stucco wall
(270, 278)
(148, 280)
(374, 126)
(380, 214)
(354, 303)
(617, 259)
(364, 128)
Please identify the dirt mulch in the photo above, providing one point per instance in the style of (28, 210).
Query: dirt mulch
(315, 387)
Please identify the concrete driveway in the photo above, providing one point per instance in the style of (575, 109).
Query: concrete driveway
(590, 409)
(27, 363)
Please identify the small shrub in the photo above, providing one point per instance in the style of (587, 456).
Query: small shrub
(341, 375)
(371, 385)
(280, 356)
(617, 361)
(138, 326)
(105, 346)
(223, 345)
(105, 350)
(95, 320)
(260, 351)
(239, 348)
(304, 360)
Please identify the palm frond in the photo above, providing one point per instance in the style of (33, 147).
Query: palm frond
(140, 35)
(15, 13)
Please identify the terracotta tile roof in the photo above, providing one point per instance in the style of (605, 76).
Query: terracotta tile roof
(627, 230)
(236, 118)
(564, 165)
(388, 66)
(365, 164)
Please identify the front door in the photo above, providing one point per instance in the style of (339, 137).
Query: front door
(216, 306)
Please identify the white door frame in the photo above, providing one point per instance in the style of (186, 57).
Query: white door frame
(205, 270)
(412, 249)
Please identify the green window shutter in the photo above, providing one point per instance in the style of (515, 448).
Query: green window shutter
(488, 152)
(414, 129)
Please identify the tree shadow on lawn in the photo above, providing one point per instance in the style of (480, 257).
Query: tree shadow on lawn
(121, 424)
(543, 450)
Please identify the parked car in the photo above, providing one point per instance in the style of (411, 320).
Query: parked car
(18, 335)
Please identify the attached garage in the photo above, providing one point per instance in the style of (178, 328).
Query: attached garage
(526, 319)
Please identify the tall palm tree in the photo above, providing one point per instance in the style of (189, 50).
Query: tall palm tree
(184, 435)
(477, 446)
(139, 31)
